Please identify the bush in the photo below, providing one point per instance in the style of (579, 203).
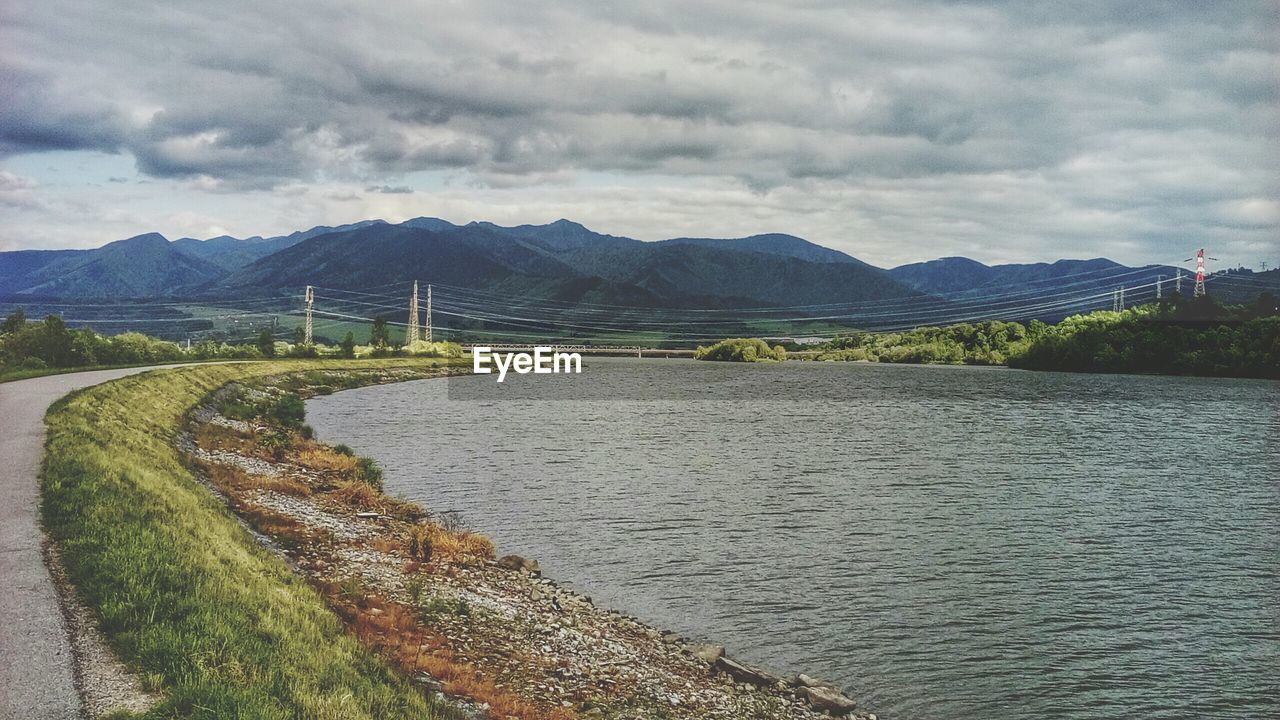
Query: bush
(288, 410)
(417, 543)
(431, 609)
(274, 443)
(348, 346)
(368, 472)
(422, 348)
(740, 350)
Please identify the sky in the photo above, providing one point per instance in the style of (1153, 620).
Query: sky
(1003, 130)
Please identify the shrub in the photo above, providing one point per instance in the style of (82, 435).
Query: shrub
(451, 521)
(288, 410)
(741, 350)
(414, 588)
(435, 607)
(417, 543)
(369, 473)
(274, 443)
(422, 348)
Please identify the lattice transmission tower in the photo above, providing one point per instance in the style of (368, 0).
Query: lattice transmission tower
(310, 298)
(1200, 258)
(428, 328)
(411, 334)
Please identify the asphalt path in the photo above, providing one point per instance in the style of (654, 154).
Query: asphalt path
(37, 670)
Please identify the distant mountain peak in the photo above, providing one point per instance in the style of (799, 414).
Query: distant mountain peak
(779, 244)
(428, 223)
(153, 239)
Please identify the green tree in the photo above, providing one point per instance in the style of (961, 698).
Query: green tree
(348, 345)
(299, 335)
(380, 334)
(15, 322)
(267, 343)
(55, 343)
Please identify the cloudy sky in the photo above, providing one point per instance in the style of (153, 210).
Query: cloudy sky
(1005, 130)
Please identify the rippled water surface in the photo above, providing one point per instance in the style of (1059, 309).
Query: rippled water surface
(944, 542)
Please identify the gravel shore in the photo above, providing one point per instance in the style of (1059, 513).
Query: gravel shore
(435, 601)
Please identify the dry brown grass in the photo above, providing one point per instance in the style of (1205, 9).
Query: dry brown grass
(417, 543)
(384, 544)
(217, 437)
(325, 459)
(403, 509)
(281, 527)
(233, 481)
(357, 495)
(427, 542)
(394, 632)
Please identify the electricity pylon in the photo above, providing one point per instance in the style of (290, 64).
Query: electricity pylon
(428, 329)
(1200, 258)
(311, 302)
(411, 334)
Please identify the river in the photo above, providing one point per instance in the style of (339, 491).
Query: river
(944, 542)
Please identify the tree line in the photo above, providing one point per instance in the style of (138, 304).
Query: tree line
(1174, 337)
(49, 343)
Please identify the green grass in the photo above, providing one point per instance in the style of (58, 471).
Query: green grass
(220, 626)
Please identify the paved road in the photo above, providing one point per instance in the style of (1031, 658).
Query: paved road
(37, 679)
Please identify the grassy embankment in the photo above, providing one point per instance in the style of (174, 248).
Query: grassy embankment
(214, 622)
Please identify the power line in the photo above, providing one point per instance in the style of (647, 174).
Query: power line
(1105, 274)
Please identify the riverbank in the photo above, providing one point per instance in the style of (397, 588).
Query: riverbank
(210, 622)
(430, 598)
(208, 608)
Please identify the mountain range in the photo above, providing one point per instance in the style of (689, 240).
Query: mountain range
(561, 261)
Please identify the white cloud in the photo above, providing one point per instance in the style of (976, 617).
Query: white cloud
(897, 131)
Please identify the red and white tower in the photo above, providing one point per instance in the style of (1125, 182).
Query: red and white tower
(1200, 272)
(1200, 258)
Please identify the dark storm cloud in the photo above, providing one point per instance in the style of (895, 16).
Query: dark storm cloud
(1143, 110)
